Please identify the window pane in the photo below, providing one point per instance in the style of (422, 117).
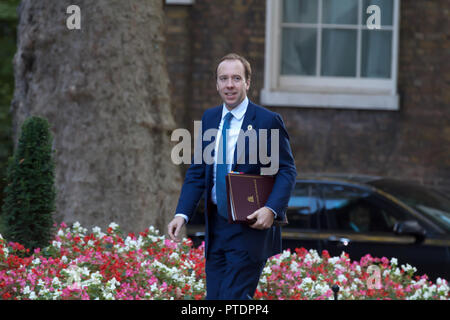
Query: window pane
(339, 53)
(386, 11)
(303, 207)
(338, 200)
(348, 209)
(376, 54)
(340, 12)
(298, 51)
(302, 11)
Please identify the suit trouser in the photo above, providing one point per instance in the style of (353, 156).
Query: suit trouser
(230, 272)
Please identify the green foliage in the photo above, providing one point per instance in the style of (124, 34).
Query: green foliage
(30, 192)
(8, 10)
(8, 30)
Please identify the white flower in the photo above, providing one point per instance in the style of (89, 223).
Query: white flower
(96, 229)
(294, 266)
(26, 290)
(56, 244)
(96, 278)
(286, 254)
(312, 257)
(394, 261)
(408, 268)
(333, 260)
(98, 232)
(307, 281)
(56, 281)
(342, 278)
(56, 294)
(322, 288)
(113, 225)
(153, 231)
(43, 291)
(36, 261)
(111, 284)
(174, 256)
(199, 286)
(76, 225)
(109, 296)
(267, 270)
(85, 271)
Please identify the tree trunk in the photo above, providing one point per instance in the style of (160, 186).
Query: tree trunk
(105, 91)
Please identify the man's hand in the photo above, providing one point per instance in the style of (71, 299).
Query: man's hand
(264, 218)
(174, 228)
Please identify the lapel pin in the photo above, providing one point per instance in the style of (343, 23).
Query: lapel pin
(249, 127)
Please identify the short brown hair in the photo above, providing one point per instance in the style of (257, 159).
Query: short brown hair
(235, 56)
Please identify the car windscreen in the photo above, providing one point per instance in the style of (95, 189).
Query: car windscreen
(431, 203)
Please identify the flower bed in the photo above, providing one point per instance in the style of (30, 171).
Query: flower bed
(97, 265)
(306, 275)
(78, 265)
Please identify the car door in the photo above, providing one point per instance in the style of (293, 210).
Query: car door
(361, 222)
(303, 229)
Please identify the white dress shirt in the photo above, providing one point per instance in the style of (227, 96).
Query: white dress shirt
(233, 134)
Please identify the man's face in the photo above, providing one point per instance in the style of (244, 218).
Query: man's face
(231, 82)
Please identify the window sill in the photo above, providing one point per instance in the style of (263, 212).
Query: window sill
(180, 2)
(330, 100)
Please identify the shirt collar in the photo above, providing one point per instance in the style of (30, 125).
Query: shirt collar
(237, 112)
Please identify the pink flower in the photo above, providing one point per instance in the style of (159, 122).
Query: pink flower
(75, 286)
(170, 244)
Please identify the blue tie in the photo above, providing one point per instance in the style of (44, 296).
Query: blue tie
(222, 170)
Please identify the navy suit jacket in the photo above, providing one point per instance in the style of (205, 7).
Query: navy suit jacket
(260, 244)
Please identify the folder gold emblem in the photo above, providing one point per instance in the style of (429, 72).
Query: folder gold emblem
(250, 199)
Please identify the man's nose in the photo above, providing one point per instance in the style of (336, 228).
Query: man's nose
(230, 83)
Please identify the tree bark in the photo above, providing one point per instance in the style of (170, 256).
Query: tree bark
(105, 91)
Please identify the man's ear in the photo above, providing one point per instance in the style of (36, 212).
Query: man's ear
(247, 83)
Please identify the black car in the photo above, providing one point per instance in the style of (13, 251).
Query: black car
(366, 215)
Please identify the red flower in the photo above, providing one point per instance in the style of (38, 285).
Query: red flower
(6, 296)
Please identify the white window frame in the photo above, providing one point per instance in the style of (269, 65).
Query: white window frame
(181, 2)
(326, 92)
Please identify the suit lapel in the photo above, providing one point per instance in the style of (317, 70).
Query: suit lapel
(212, 123)
(248, 121)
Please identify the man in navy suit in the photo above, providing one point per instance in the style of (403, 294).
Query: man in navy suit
(236, 253)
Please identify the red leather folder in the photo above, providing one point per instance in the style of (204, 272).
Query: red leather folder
(246, 193)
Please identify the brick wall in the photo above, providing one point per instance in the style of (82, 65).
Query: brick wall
(413, 143)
